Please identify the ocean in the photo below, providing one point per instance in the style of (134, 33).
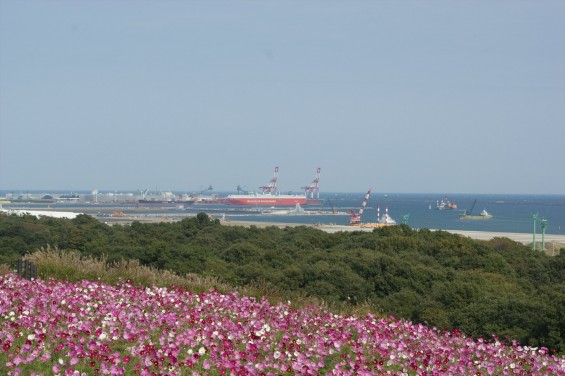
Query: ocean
(511, 212)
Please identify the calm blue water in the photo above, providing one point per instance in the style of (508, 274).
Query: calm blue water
(512, 213)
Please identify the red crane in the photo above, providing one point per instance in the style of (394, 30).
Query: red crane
(272, 186)
(356, 218)
(314, 186)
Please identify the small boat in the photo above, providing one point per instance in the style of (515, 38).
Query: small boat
(445, 204)
(482, 215)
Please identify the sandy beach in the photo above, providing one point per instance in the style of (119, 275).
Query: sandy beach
(557, 240)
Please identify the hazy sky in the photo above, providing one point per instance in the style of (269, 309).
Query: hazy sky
(397, 96)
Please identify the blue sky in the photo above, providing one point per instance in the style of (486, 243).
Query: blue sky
(397, 96)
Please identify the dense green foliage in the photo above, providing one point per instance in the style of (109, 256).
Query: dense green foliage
(479, 287)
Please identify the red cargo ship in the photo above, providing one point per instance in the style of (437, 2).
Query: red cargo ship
(267, 199)
(269, 195)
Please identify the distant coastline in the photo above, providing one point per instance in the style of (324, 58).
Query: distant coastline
(512, 213)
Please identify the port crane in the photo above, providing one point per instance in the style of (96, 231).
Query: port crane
(355, 219)
(334, 211)
(241, 190)
(210, 188)
(471, 210)
(272, 186)
(314, 186)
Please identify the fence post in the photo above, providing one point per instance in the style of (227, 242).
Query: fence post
(26, 269)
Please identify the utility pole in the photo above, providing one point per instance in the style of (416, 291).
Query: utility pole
(535, 219)
(543, 224)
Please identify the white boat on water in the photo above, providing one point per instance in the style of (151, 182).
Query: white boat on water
(482, 215)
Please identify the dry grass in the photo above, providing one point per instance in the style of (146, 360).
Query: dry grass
(5, 269)
(71, 266)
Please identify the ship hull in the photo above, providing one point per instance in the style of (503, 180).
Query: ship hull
(475, 217)
(266, 200)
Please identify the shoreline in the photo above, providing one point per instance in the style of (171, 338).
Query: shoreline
(523, 238)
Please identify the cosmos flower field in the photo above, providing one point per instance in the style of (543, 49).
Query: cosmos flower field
(51, 327)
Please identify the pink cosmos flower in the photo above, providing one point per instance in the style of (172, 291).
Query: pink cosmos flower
(175, 332)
